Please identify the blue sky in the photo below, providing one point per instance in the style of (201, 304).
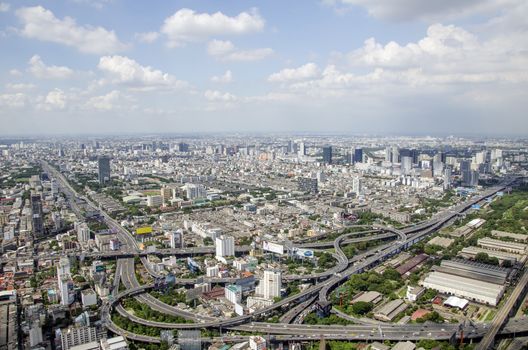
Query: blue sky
(356, 66)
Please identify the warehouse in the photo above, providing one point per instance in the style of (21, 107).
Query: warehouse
(475, 270)
(441, 241)
(390, 310)
(515, 236)
(368, 297)
(496, 244)
(471, 252)
(411, 264)
(479, 291)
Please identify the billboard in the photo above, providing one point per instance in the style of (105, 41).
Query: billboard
(304, 253)
(273, 247)
(143, 230)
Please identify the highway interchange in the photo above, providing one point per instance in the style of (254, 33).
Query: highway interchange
(288, 329)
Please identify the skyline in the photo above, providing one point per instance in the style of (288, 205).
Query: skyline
(346, 66)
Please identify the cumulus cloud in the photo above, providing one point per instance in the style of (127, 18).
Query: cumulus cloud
(225, 78)
(41, 24)
(307, 71)
(401, 10)
(16, 100)
(40, 70)
(127, 71)
(20, 86)
(4, 7)
(110, 101)
(148, 37)
(226, 51)
(186, 25)
(55, 100)
(214, 95)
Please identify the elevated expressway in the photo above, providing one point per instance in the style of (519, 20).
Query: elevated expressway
(282, 331)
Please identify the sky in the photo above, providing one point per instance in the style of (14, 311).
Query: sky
(347, 66)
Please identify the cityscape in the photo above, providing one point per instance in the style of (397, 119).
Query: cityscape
(302, 175)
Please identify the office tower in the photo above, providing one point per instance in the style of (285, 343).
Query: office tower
(194, 191)
(176, 239)
(327, 154)
(290, 147)
(438, 165)
(54, 187)
(302, 149)
(480, 157)
(447, 178)
(270, 284)
(406, 165)
(307, 184)
(395, 154)
(225, 246)
(356, 185)
(65, 289)
(37, 218)
(358, 155)
(465, 172)
(64, 266)
(388, 154)
(83, 232)
(183, 147)
(104, 169)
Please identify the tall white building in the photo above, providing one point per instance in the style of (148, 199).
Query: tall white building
(356, 185)
(225, 246)
(83, 232)
(64, 280)
(176, 239)
(154, 201)
(270, 285)
(406, 165)
(64, 266)
(233, 293)
(74, 336)
(194, 191)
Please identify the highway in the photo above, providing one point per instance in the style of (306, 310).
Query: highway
(504, 312)
(406, 238)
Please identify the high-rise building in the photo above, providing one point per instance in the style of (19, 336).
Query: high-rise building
(74, 336)
(104, 169)
(233, 293)
(176, 239)
(406, 165)
(395, 154)
(302, 149)
(225, 246)
(83, 232)
(37, 218)
(195, 191)
(54, 187)
(358, 155)
(469, 177)
(447, 178)
(183, 147)
(327, 154)
(356, 185)
(270, 284)
(307, 184)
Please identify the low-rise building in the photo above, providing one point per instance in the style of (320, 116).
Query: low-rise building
(389, 311)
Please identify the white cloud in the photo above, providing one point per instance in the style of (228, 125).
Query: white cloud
(225, 78)
(4, 7)
(16, 100)
(15, 72)
(54, 100)
(111, 101)
(307, 71)
(188, 26)
(217, 96)
(125, 70)
(41, 24)
(400, 10)
(148, 37)
(226, 51)
(40, 70)
(20, 86)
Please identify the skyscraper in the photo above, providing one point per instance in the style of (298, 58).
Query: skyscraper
(104, 169)
(225, 246)
(270, 284)
(302, 149)
(358, 155)
(327, 154)
(37, 220)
